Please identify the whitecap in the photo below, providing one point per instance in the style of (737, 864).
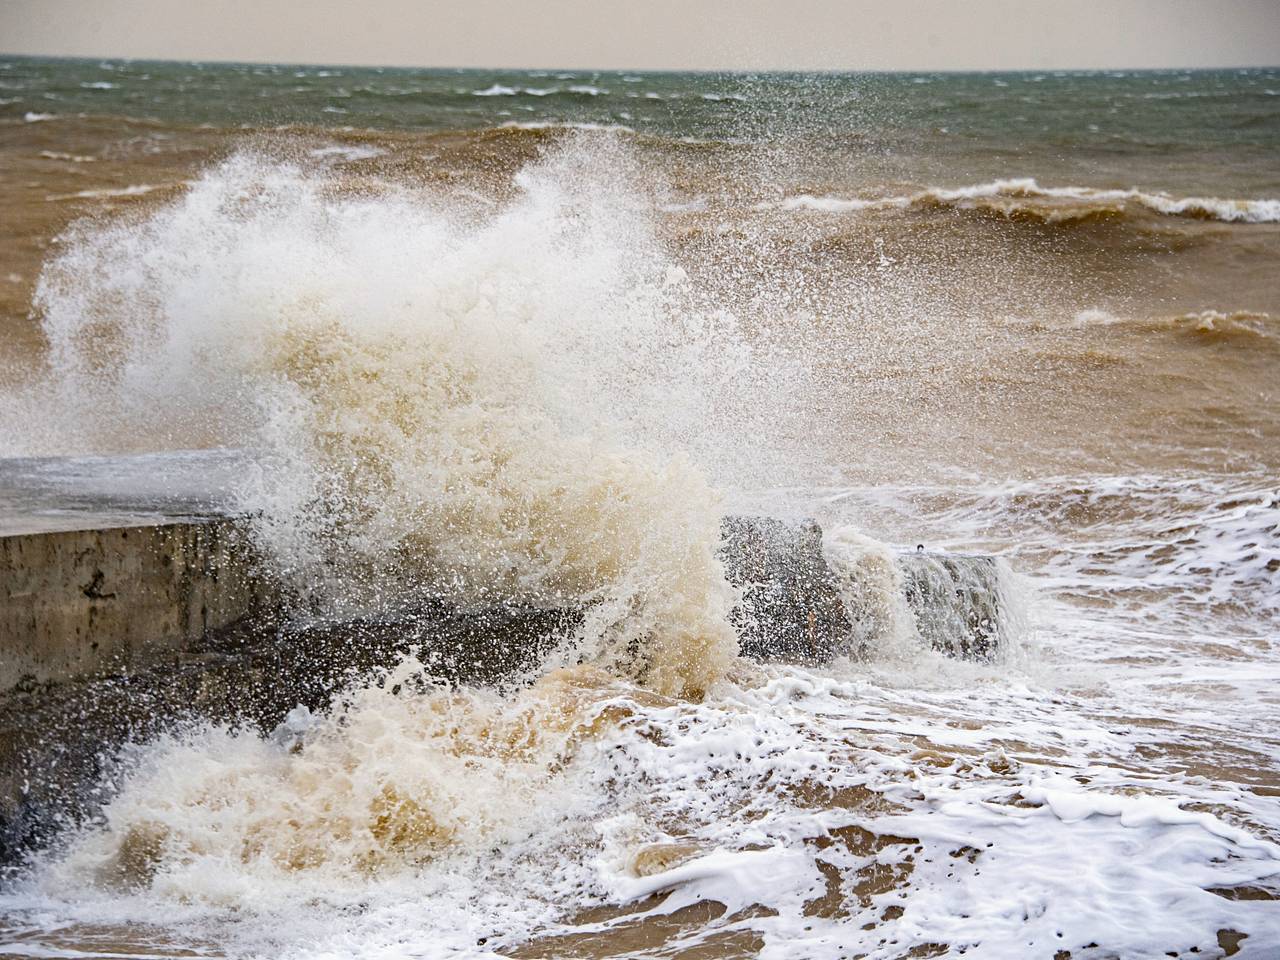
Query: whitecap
(1264, 210)
(69, 157)
(134, 190)
(347, 152)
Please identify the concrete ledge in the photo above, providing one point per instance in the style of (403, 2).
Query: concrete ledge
(114, 634)
(77, 604)
(93, 602)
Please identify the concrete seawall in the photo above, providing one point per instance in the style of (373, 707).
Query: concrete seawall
(113, 601)
(76, 603)
(131, 599)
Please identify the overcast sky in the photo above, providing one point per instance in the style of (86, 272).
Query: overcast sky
(660, 34)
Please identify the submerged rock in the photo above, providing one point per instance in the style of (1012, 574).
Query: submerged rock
(791, 604)
(956, 602)
(796, 607)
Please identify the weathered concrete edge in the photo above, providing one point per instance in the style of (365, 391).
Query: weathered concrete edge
(84, 603)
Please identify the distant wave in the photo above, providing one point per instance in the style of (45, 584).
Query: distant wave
(136, 190)
(346, 152)
(69, 157)
(579, 89)
(1246, 327)
(565, 125)
(1026, 198)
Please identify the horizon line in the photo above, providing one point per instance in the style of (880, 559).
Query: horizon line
(831, 71)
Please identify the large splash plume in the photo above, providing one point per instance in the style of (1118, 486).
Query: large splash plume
(493, 401)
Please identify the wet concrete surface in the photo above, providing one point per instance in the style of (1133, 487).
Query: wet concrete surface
(51, 494)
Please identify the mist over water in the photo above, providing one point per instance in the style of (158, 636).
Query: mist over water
(473, 351)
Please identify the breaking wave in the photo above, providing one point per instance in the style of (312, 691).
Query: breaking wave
(498, 410)
(401, 772)
(1246, 328)
(1025, 198)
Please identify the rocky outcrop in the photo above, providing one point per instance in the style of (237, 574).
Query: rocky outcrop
(793, 608)
(955, 600)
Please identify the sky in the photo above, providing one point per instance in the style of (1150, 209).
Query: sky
(660, 34)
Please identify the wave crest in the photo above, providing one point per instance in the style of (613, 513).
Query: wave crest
(1024, 198)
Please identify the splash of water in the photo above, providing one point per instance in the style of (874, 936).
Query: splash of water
(493, 408)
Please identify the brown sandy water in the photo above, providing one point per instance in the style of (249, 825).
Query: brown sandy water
(1005, 334)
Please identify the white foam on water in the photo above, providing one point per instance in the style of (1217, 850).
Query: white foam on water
(567, 125)
(346, 152)
(133, 190)
(1000, 839)
(69, 157)
(833, 204)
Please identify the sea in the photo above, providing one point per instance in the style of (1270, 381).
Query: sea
(527, 337)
